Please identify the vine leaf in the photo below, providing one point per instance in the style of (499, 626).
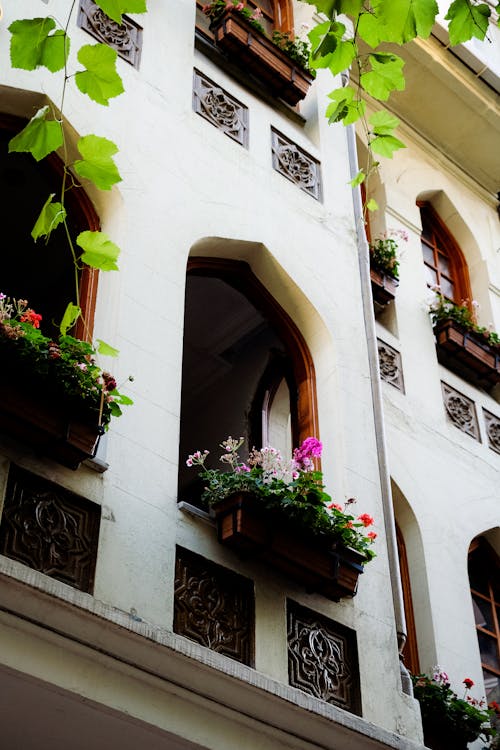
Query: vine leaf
(71, 315)
(115, 8)
(97, 164)
(467, 20)
(99, 81)
(106, 350)
(385, 76)
(402, 20)
(384, 142)
(372, 205)
(51, 215)
(344, 107)
(40, 137)
(360, 177)
(32, 44)
(332, 52)
(98, 250)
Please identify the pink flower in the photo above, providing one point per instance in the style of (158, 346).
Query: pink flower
(243, 468)
(189, 462)
(239, 6)
(311, 447)
(468, 683)
(335, 506)
(257, 14)
(365, 519)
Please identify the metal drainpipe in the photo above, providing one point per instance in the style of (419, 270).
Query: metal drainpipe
(378, 413)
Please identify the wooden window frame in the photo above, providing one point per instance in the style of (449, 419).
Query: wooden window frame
(493, 560)
(443, 243)
(240, 276)
(410, 650)
(281, 19)
(85, 216)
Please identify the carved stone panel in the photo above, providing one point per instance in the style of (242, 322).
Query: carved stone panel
(323, 658)
(389, 361)
(125, 38)
(492, 430)
(220, 108)
(214, 606)
(50, 529)
(296, 165)
(461, 411)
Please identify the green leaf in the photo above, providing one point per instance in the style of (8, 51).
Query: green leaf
(40, 137)
(369, 29)
(328, 7)
(332, 8)
(98, 250)
(385, 76)
(317, 33)
(383, 122)
(360, 177)
(115, 8)
(71, 315)
(106, 350)
(50, 216)
(344, 107)
(32, 44)
(403, 20)
(385, 145)
(466, 21)
(372, 205)
(97, 164)
(99, 81)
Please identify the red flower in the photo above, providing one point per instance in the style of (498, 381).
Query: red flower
(30, 316)
(365, 519)
(372, 535)
(468, 683)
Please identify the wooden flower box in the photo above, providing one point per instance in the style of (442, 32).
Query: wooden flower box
(384, 286)
(331, 570)
(33, 414)
(468, 353)
(258, 56)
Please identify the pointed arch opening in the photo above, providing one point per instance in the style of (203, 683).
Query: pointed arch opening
(247, 370)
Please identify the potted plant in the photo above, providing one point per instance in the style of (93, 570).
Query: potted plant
(54, 395)
(462, 345)
(449, 721)
(278, 510)
(384, 265)
(281, 62)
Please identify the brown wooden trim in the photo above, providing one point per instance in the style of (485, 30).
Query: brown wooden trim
(410, 651)
(240, 276)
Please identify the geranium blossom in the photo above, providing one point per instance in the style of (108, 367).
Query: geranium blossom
(365, 519)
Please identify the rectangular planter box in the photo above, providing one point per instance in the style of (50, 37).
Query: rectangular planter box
(384, 286)
(37, 418)
(319, 566)
(467, 353)
(258, 56)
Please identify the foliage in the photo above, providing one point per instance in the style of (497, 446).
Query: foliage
(296, 49)
(291, 489)
(441, 309)
(465, 719)
(384, 252)
(66, 366)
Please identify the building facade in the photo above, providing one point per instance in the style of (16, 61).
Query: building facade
(242, 308)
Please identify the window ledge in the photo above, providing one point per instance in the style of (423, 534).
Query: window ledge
(193, 510)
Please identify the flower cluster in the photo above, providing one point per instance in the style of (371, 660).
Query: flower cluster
(292, 489)
(296, 49)
(66, 366)
(384, 251)
(457, 718)
(441, 308)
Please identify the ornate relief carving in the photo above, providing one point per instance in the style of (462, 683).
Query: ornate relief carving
(389, 360)
(125, 38)
(220, 108)
(461, 410)
(295, 164)
(214, 606)
(492, 430)
(50, 529)
(322, 658)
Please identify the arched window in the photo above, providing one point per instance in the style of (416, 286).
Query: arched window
(43, 273)
(277, 15)
(484, 578)
(246, 368)
(445, 265)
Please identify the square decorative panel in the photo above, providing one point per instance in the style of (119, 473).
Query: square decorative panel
(214, 606)
(220, 108)
(323, 658)
(50, 529)
(124, 38)
(296, 165)
(389, 361)
(492, 430)
(461, 411)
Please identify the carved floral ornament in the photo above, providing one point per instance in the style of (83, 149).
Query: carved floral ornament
(125, 38)
(296, 165)
(390, 365)
(461, 411)
(220, 108)
(492, 430)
